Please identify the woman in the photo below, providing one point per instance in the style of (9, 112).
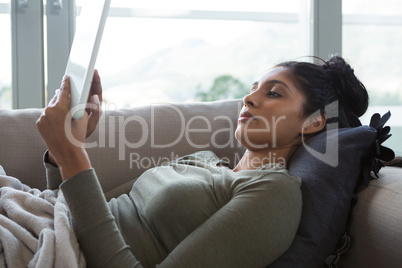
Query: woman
(196, 212)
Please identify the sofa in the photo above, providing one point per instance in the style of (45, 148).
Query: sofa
(129, 141)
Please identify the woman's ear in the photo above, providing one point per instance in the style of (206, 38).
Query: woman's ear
(314, 123)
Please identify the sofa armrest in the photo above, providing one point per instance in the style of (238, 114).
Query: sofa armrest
(377, 219)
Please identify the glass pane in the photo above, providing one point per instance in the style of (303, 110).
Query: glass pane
(5, 66)
(375, 53)
(142, 61)
(385, 7)
(225, 5)
(147, 60)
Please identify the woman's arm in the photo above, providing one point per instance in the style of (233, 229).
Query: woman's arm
(65, 136)
(53, 176)
(94, 100)
(94, 225)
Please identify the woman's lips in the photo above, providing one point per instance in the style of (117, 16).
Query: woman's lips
(245, 116)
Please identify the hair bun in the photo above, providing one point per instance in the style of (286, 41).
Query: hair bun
(352, 93)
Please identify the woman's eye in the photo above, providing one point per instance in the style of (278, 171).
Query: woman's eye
(273, 94)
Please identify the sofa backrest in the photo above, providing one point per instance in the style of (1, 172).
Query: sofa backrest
(127, 141)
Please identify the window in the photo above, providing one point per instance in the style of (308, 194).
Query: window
(372, 37)
(158, 51)
(5, 56)
(141, 59)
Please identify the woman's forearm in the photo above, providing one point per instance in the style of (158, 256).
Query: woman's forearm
(95, 227)
(74, 162)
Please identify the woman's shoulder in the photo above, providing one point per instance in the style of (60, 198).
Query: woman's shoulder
(263, 181)
(271, 172)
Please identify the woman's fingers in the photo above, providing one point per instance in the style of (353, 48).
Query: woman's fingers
(64, 94)
(53, 100)
(96, 87)
(94, 103)
(95, 112)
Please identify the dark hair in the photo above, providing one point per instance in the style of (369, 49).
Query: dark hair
(333, 80)
(322, 85)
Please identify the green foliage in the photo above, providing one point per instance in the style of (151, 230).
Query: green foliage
(223, 87)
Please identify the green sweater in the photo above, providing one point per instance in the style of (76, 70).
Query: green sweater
(190, 213)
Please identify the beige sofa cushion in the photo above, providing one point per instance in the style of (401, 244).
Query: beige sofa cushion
(127, 141)
(377, 227)
(21, 147)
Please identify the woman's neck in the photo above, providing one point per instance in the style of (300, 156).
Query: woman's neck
(254, 159)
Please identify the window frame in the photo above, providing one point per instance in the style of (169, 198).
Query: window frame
(27, 54)
(60, 28)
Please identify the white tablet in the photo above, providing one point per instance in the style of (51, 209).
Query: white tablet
(83, 53)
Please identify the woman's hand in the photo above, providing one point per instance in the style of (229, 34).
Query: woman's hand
(94, 109)
(63, 135)
(94, 104)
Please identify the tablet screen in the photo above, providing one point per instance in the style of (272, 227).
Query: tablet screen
(84, 50)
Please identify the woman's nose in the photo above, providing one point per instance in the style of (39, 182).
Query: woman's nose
(249, 100)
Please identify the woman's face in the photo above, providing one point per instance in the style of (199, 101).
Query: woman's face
(272, 115)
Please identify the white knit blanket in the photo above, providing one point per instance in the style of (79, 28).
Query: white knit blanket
(35, 227)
